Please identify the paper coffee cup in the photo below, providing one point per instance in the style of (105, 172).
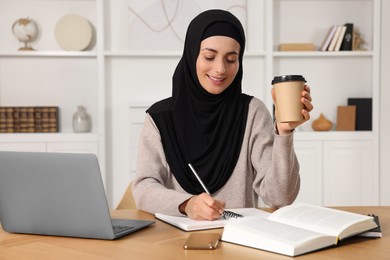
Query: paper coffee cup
(288, 94)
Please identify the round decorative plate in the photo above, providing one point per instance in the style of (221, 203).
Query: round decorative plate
(73, 32)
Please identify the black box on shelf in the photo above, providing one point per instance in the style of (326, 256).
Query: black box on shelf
(363, 113)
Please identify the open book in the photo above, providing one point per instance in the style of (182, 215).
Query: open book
(297, 229)
(188, 224)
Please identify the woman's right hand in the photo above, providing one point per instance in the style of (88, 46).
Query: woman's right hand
(204, 207)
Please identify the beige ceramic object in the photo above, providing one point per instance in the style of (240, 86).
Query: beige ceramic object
(322, 124)
(73, 32)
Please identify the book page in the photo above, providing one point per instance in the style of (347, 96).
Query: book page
(275, 237)
(321, 219)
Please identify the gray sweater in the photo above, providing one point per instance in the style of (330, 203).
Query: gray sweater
(267, 167)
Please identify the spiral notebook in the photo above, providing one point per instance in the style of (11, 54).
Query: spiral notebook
(187, 224)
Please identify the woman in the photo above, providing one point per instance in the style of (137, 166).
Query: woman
(227, 136)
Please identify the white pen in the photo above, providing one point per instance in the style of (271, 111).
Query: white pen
(225, 213)
(200, 181)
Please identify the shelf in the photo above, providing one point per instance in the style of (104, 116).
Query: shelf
(48, 137)
(141, 54)
(335, 135)
(323, 54)
(54, 54)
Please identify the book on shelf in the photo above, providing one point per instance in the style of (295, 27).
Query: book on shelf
(328, 38)
(297, 229)
(340, 38)
(187, 224)
(347, 43)
(363, 113)
(28, 119)
(335, 37)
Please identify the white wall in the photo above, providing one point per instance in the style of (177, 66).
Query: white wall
(385, 107)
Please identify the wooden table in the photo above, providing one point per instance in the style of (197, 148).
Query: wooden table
(162, 241)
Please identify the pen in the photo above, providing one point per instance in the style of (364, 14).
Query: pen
(225, 212)
(200, 181)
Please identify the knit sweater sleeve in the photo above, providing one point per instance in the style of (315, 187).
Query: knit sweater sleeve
(273, 158)
(154, 189)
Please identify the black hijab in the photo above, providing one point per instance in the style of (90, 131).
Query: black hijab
(197, 127)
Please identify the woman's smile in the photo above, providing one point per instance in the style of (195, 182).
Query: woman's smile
(216, 80)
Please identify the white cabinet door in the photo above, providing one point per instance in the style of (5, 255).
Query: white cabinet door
(309, 155)
(349, 177)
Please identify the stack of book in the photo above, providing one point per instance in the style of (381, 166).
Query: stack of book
(339, 38)
(28, 119)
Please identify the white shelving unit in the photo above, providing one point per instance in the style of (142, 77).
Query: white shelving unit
(52, 76)
(338, 168)
(117, 84)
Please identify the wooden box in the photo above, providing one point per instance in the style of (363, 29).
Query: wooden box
(346, 118)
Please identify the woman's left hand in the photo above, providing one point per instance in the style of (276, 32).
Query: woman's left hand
(288, 127)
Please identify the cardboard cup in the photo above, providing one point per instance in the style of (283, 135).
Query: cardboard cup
(288, 94)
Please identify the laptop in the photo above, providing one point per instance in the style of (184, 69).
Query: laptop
(58, 194)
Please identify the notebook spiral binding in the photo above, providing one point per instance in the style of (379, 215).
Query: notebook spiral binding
(230, 214)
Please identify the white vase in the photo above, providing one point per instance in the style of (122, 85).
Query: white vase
(81, 120)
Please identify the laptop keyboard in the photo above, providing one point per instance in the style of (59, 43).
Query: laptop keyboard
(118, 229)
